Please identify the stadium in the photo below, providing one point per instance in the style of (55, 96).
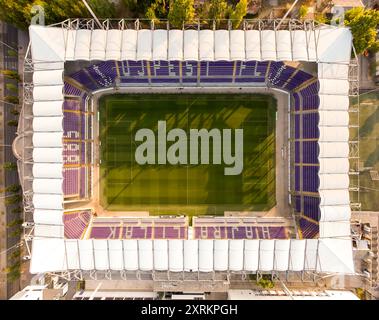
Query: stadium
(93, 210)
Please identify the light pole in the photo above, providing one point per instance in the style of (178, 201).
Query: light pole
(287, 13)
(92, 14)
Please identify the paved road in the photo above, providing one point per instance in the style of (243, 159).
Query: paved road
(10, 37)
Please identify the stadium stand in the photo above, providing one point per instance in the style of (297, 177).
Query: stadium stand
(139, 228)
(302, 85)
(75, 223)
(75, 133)
(144, 57)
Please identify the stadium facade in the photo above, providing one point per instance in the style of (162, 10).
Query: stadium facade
(70, 63)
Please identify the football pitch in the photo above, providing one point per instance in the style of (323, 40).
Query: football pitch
(186, 188)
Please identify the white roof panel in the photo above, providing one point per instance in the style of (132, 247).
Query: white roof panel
(335, 255)
(72, 254)
(266, 255)
(334, 134)
(47, 44)
(334, 44)
(333, 165)
(113, 46)
(98, 44)
(175, 256)
(48, 201)
(47, 108)
(251, 256)
(175, 45)
(221, 255)
(48, 140)
(334, 181)
(253, 45)
(82, 44)
(281, 260)
(160, 255)
(70, 44)
(311, 252)
(299, 45)
(44, 124)
(48, 255)
(334, 197)
(116, 255)
(160, 44)
(191, 45)
(47, 170)
(297, 253)
(129, 45)
(48, 231)
(45, 216)
(47, 78)
(237, 45)
(130, 255)
(333, 102)
(101, 254)
(191, 256)
(48, 186)
(335, 229)
(145, 255)
(221, 45)
(50, 155)
(268, 45)
(236, 255)
(283, 45)
(48, 93)
(144, 43)
(86, 254)
(205, 255)
(333, 149)
(333, 71)
(335, 213)
(333, 118)
(206, 45)
(333, 86)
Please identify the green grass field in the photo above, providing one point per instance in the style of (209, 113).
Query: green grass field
(189, 189)
(368, 149)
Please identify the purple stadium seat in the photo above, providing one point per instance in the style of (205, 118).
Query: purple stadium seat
(75, 223)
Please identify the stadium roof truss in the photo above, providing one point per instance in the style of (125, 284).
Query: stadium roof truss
(50, 47)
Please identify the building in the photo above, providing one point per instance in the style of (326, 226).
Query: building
(72, 63)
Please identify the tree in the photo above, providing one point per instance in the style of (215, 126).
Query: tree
(16, 210)
(15, 112)
(217, 10)
(19, 13)
(157, 10)
(13, 188)
(363, 24)
(12, 99)
(11, 87)
(239, 13)
(181, 11)
(16, 222)
(11, 74)
(10, 166)
(150, 14)
(12, 123)
(103, 8)
(303, 11)
(13, 199)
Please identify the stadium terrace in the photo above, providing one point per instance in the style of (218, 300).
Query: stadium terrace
(74, 156)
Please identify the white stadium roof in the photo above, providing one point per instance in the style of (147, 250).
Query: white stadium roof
(329, 47)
